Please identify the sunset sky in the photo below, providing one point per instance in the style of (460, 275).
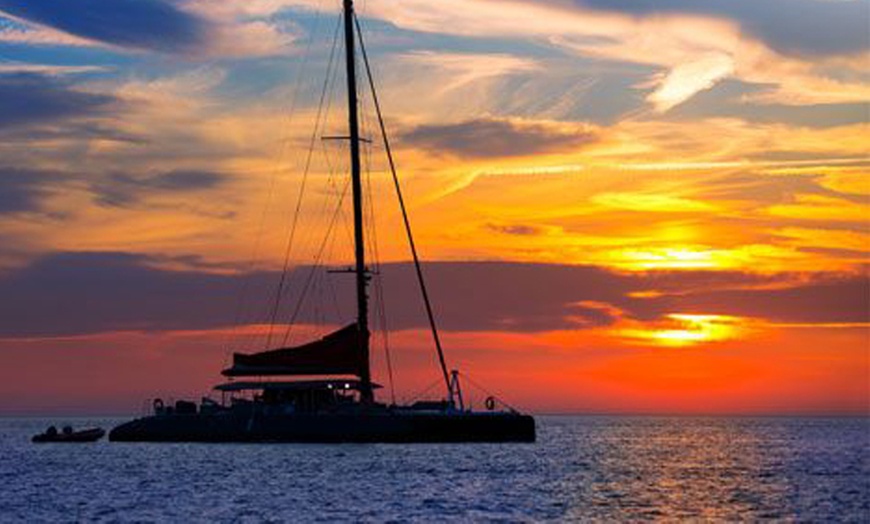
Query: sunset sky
(624, 206)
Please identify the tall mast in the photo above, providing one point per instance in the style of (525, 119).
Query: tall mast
(359, 242)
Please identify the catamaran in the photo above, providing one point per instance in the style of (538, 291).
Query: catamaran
(332, 407)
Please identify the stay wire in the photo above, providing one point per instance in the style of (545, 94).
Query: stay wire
(421, 281)
(241, 294)
(423, 392)
(315, 266)
(378, 281)
(329, 237)
(491, 394)
(279, 293)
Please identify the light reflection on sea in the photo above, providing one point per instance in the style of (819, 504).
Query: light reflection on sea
(581, 469)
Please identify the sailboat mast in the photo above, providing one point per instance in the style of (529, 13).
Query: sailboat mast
(356, 182)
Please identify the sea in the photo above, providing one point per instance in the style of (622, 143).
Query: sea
(581, 469)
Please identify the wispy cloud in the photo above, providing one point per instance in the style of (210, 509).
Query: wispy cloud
(7, 67)
(488, 137)
(23, 190)
(122, 189)
(27, 98)
(686, 80)
(162, 26)
(696, 47)
(466, 68)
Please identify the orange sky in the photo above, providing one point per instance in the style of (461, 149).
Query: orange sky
(634, 209)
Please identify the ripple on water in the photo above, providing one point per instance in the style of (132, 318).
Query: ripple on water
(582, 468)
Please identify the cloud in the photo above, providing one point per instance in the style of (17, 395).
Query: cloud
(672, 36)
(466, 68)
(82, 131)
(93, 292)
(41, 36)
(686, 80)
(515, 229)
(22, 190)
(813, 27)
(838, 300)
(771, 190)
(137, 24)
(488, 137)
(74, 293)
(26, 190)
(736, 99)
(27, 98)
(164, 26)
(122, 189)
(47, 69)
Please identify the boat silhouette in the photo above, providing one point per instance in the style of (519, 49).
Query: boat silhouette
(67, 434)
(332, 409)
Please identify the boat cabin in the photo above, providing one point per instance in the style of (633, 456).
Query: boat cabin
(303, 395)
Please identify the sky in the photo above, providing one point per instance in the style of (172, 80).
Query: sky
(622, 206)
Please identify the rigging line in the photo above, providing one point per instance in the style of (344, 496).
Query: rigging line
(243, 291)
(336, 305)
(315, 266)
(382, 318)
(330, 165)
(490, 393)
(320, 111)
(313, 271)
(280, 291)
(328, 236)
(423, 392)
(334, 188)
(379, 284)
(330, 286)
(405, 218)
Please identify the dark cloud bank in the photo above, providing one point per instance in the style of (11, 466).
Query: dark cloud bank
(74, 293)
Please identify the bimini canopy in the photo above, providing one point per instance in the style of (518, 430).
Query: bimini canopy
(335, 354)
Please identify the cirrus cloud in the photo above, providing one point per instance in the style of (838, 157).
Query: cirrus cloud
(489, 137)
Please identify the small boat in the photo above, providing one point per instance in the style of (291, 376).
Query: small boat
(68, 435)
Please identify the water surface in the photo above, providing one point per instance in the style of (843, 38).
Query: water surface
(581, 468)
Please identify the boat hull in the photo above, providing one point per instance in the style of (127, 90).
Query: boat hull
(88, 435)
(327, 428)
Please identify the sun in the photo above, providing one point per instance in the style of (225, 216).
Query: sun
(683, 329)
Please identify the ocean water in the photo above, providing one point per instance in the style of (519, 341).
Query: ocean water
(581, 469)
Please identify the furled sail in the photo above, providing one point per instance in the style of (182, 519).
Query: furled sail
(338, 353)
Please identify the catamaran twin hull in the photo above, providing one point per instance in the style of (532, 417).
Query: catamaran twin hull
(385, 426)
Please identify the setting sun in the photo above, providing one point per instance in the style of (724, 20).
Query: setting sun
(688, 330)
